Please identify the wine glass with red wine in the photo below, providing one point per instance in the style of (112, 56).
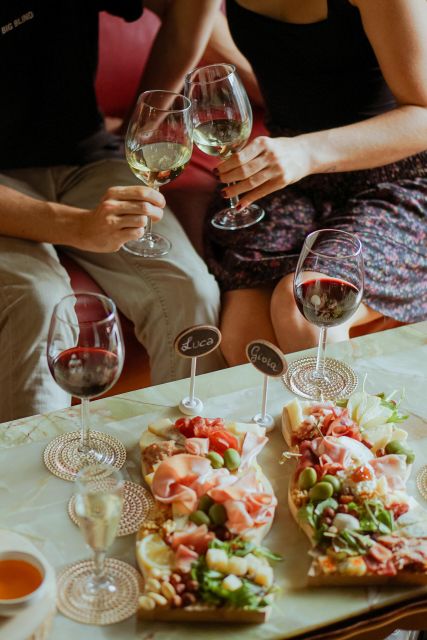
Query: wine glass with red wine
(85, 354)
(328, 288)
(222, 121)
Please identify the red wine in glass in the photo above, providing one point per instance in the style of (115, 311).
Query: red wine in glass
(328, 288)
(326, 302)
(85, 356)
(85, 372)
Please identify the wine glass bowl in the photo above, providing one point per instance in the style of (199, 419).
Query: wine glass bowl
(99, 591)
(158, 146)
(328, 288)
(222, 122)
(85, 355)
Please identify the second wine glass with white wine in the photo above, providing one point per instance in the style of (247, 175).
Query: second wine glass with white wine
(158, 148)
(222, 120)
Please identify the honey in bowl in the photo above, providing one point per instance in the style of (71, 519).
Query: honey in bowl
(18, 578)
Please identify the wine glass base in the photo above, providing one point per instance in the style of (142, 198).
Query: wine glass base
(421, 481)
(107, 607)
(63, 458)
(266, 421)
(230, 219)
(339, 382)
(156, 247)
(137, 506)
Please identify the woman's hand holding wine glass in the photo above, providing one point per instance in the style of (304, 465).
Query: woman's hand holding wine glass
(328, 288)
(85, 354)
(222, 120)
(158, 146)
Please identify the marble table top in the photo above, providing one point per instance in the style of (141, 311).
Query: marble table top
(33, 502)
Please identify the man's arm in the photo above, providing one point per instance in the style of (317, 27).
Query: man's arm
(222, 48)
(119, 217)
(180, 42)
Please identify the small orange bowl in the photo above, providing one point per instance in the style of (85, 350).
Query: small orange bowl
(22, 581)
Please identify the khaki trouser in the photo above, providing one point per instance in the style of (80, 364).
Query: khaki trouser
(161, 296)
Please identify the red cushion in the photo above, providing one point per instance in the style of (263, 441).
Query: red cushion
(123, 51)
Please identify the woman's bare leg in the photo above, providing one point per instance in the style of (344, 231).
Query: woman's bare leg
(245, 316)
(293, 331)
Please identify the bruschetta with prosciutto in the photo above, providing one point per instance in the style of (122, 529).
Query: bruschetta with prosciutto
(349, 494)
(201, 554)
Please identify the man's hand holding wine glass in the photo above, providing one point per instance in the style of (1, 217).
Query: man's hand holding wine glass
(121, 216)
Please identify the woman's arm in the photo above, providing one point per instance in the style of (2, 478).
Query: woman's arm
(397, 31)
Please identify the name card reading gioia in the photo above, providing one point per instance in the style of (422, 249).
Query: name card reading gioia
(266, 357)
(197, 341)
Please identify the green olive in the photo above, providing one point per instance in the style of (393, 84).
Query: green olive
(231, 459)
(218, 514)
(307, 478)
(205, 503)
(334, 481)
(217, 461)
(199, 517)
(395, 446)
(321, 491)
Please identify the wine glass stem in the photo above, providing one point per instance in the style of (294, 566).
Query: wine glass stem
(84, 446)
(234, 200)
(320, 362)
(148, 235)
(99, 571)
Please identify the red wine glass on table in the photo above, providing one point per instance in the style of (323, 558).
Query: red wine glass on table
(85, 355)
(222, 121)
(328, 288)
(158, 147)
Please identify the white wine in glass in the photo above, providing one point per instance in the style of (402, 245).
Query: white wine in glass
(222, 121)
(158, 146)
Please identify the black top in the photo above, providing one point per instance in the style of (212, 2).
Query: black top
(48, 61)
(312, 76)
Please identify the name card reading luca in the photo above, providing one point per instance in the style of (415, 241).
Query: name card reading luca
(197, 341)
(266, 357)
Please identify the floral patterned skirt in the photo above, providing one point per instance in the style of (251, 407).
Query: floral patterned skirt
(385, 207)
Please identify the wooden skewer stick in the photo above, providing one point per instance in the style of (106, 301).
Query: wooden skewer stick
(288, 455)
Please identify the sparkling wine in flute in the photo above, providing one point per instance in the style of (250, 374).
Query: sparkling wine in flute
(221, 137)
(99, 517)
(158, 163)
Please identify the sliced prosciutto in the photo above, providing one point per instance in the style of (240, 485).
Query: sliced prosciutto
(247, 503)
(183, 478)
(393, 468)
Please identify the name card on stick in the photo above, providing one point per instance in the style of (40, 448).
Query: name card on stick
(270, 361)
(195, 342)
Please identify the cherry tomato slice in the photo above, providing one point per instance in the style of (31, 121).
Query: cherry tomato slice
(361, 473)
(220, 441)
(185, 427)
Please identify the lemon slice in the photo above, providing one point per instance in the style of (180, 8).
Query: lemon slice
(154, 556)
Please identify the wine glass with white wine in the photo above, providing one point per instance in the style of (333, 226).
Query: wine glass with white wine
(158, 147)
(222, 121)
(99, 591)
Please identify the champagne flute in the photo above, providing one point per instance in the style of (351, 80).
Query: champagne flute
(85, 354)
(222, 120)
(328, 288)
(100, 591)
(158, 146)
